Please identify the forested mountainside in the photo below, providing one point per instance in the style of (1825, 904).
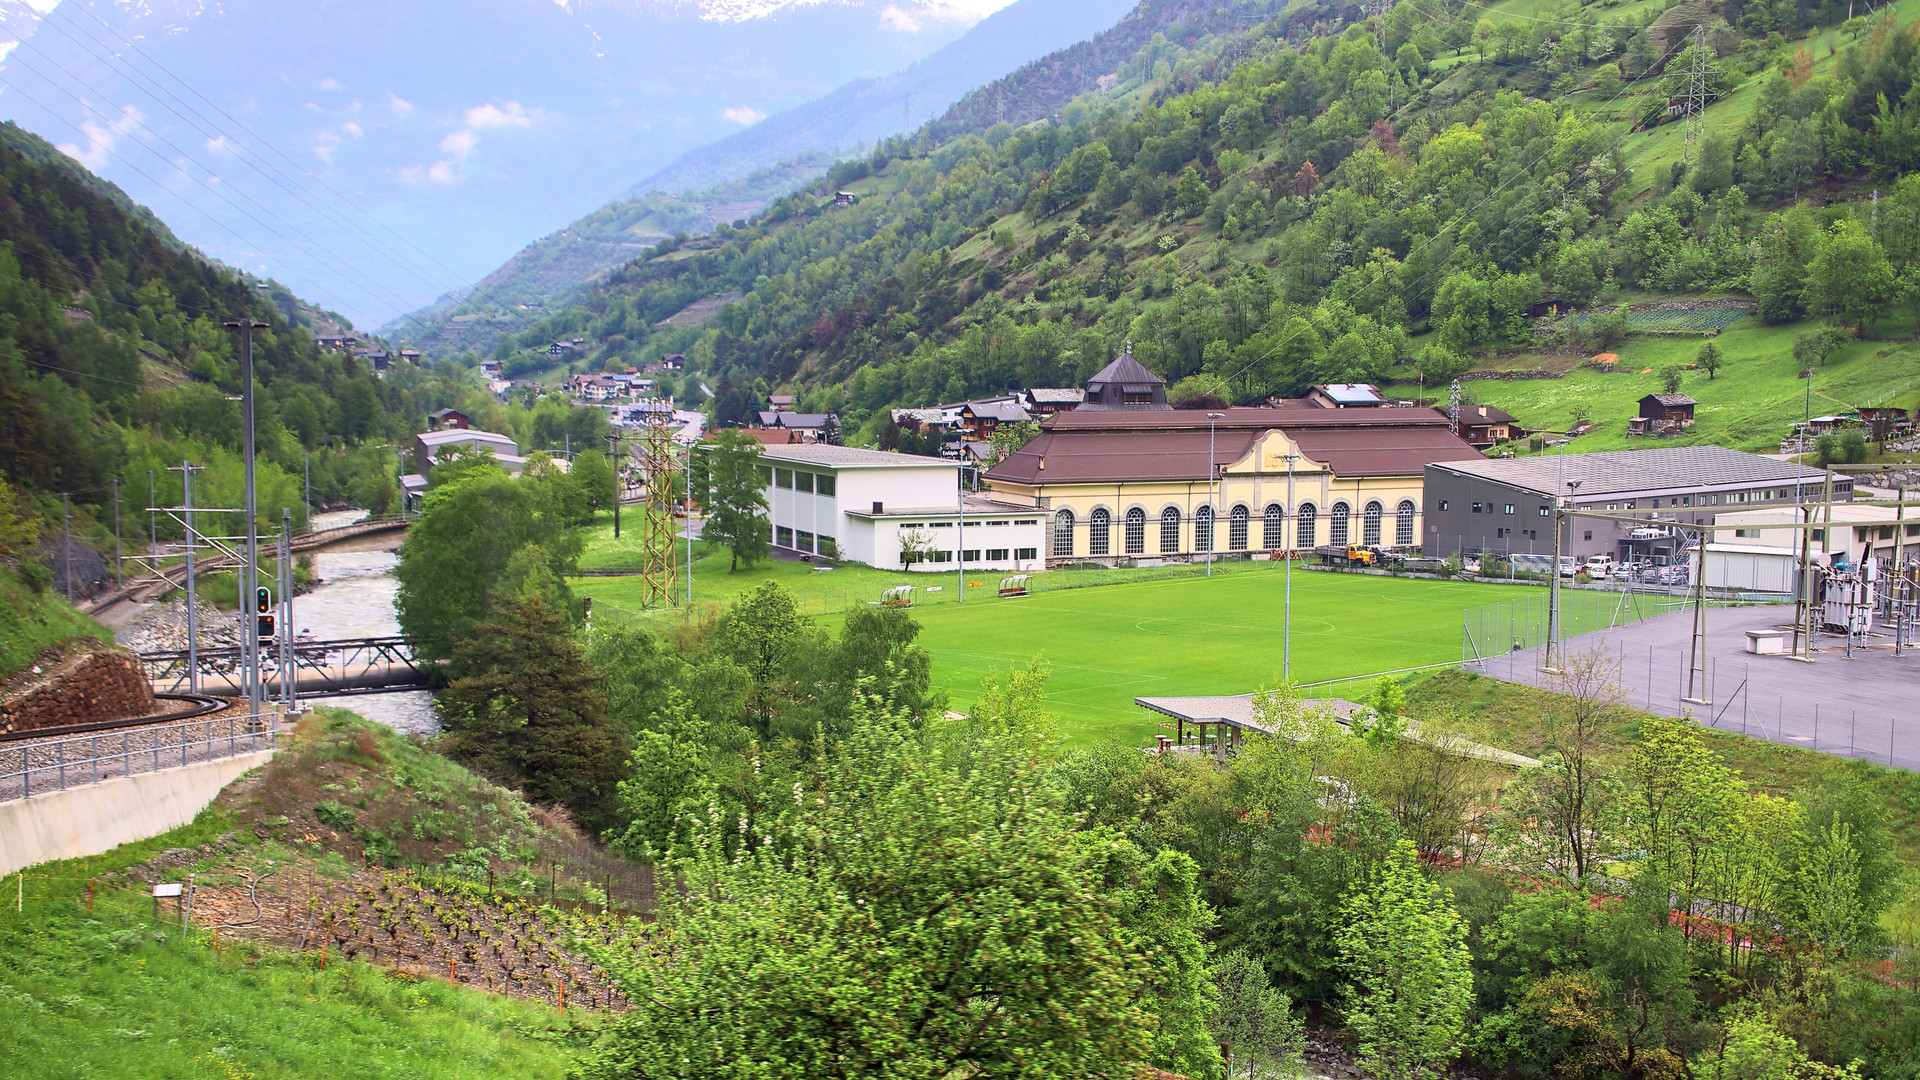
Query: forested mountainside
(1351, 206)
(113, 361)
(554, 269)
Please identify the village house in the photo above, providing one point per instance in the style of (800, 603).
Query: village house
(1662, 415)
(1485, 425)
(448, 418)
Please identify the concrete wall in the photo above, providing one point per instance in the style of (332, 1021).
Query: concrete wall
(93, 818)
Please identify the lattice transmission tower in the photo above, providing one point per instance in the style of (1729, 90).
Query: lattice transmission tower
(1453, 407)
(658, 460)
(1694, 131)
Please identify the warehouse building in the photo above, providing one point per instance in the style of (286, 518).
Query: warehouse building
(1506, 505)
(891, 511)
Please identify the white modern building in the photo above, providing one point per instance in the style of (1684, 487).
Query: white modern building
(1756, 550)
(892, 511)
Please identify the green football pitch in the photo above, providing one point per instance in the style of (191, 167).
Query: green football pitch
(1144, 634)
(1109, 644)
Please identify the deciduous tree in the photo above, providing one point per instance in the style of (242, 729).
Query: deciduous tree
(1409, 975)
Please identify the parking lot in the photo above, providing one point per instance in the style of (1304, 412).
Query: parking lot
(1859, 706)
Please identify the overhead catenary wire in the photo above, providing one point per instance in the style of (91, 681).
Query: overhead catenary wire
(194, 119)
(474, 290)
(366, 286)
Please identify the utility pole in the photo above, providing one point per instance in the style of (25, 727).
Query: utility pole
(309, 493)
(119, 571)
(689, 527)
(66, 509)
(153, 520)
(960, 541)
(1697, 649)
(187, 469)
(286, 608)
(250, 566)
(619, 485)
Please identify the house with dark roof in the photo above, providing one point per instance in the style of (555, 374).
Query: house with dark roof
(1506, 504)
(1663, 414)
(1485, 425)
(1125, 477)
(448, 418)
(1045, 401)
(979, 419)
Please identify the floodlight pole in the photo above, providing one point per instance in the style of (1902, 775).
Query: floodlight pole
(1286, 637)
(1213, 514)
(1547, 659)
(689, 527)
(960, 539)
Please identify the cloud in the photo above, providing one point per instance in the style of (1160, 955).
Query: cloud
(399, 106)
(481, 117)
(352, 129)
(330, 83)
(915, 17)
(458, 145)
(101, 137)
(220, 145)
(743, 115)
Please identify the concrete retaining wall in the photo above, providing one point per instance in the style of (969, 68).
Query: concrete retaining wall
(94, 818)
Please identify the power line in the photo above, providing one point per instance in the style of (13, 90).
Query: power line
(348, 274)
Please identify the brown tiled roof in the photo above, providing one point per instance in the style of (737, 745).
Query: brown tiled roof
(1113, 457)
(1400, 451)
(1356, 448)
(1296, 413)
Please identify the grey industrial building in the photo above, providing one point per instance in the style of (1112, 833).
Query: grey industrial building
(1506, 504)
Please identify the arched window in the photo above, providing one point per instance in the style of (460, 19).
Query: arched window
(1237, 529)
(1305, 527)
(1337, 530)
(1098, 524)
(1063, 533)
(1370, 522)
(1403, 523)
(1169, 530)
(1203, 529)
(1273, 532)
(1136, 531)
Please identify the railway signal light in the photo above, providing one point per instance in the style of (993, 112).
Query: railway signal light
(263, 613)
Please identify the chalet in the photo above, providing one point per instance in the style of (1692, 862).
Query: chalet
(978, 420)
(448, 418)
(336, 342)
(1484, 425)
(379, 361)
(560, 348)
(780, 402)
(1663, 415)
(411, 356)
(490, 368)
(674, 361)
(845, 198)
(1045, 401)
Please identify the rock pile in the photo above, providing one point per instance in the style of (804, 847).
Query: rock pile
(88, 688)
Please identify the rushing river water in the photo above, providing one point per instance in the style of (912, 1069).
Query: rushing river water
(355, 599)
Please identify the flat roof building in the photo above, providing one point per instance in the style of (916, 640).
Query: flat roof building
(1506, 504)
(892, 511)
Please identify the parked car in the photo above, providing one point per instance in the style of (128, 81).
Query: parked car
(1599, 565)
(1625, 571)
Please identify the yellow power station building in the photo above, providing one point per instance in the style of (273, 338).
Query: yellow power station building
(1128, 478)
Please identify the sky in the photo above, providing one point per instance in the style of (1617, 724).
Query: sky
(374, 156)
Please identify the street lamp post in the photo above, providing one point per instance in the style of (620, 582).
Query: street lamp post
(1213, 516)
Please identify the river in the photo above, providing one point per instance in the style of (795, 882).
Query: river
(354, 599)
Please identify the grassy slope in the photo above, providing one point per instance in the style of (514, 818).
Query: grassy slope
(116, 994)
(1748, 405)
(30, 622)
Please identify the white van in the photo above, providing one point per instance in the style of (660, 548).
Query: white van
(1599, 566)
